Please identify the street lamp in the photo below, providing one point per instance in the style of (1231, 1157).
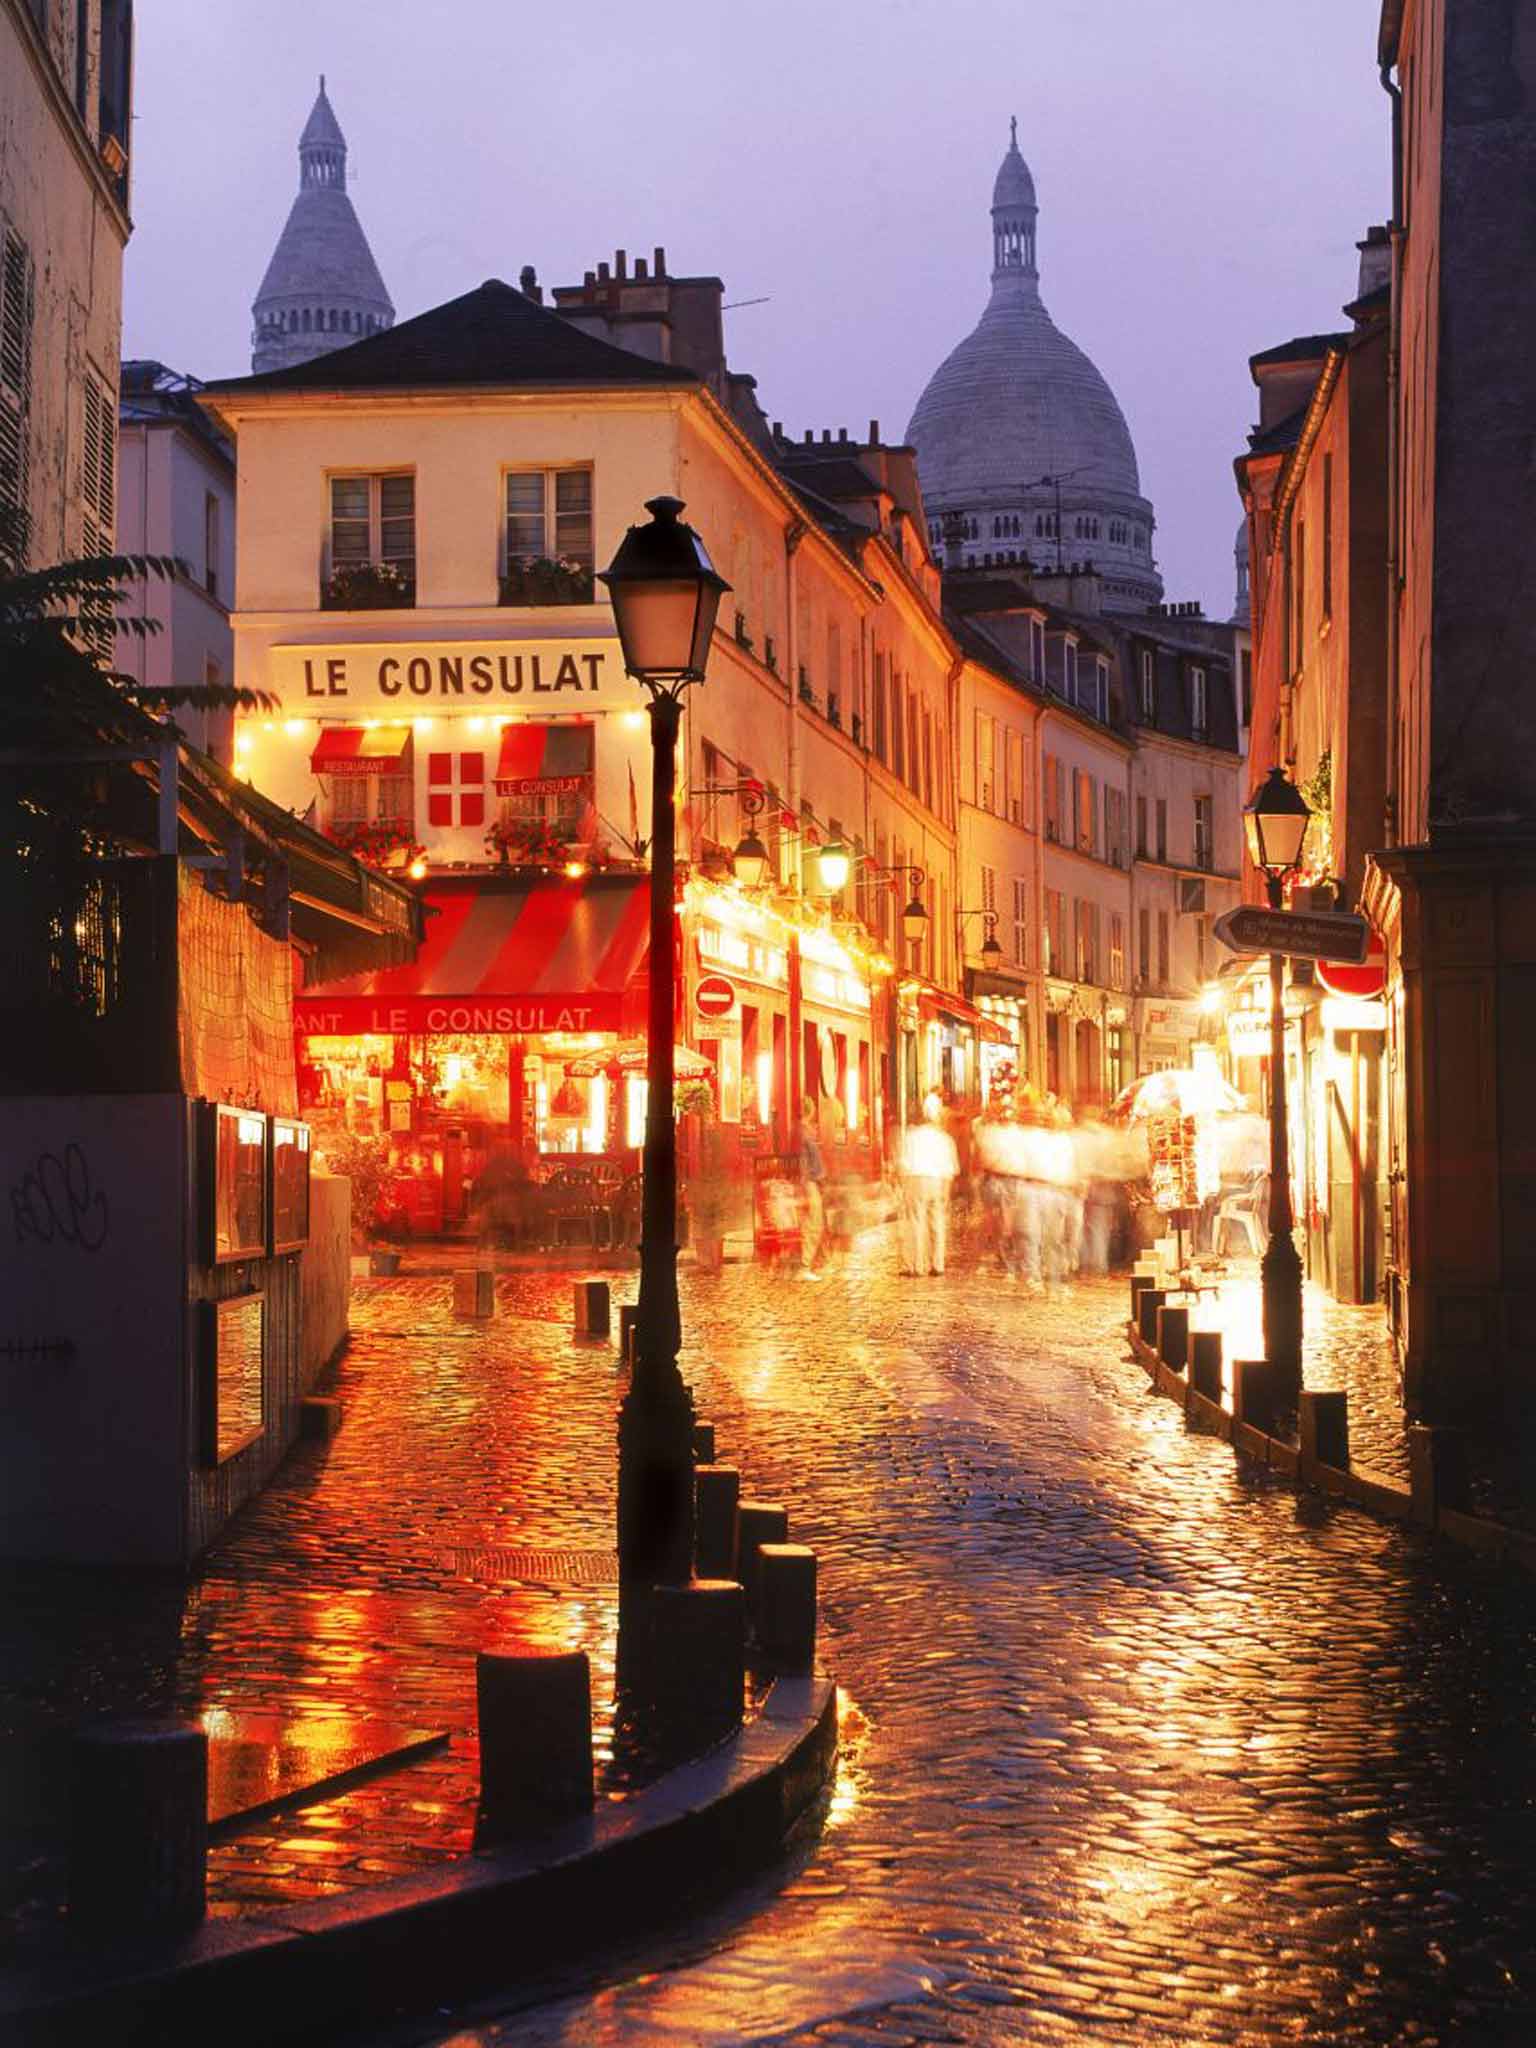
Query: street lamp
(991, 951)
(665, 593)
(1276, 820)
(832, 866)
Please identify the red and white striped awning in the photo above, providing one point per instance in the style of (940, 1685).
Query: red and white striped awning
(538, 759)
(504, 954)
(361, 750)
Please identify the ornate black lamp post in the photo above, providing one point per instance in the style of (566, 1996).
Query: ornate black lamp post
(1277, 821)
(665, 594)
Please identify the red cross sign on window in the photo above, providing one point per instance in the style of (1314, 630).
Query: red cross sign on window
(456, 789)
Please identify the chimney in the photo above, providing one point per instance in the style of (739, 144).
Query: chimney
(778, 430)
(952, 526)
(620, 263)
(826, 433)
(810, 436)
(602, 273)
(640, 270)
(842, 433)
(659, 261)
(1375, 260)
(874, 433)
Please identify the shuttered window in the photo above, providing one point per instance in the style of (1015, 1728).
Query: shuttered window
(98, 501)
(16, 310)
(373, 519)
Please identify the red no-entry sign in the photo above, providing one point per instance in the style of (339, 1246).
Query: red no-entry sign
(715, 996)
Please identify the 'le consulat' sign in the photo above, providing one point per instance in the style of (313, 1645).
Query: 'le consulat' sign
(481, 672)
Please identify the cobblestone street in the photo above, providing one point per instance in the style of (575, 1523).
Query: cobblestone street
(1137, 1744)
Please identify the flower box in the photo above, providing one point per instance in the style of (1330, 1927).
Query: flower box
(368, 587)
(546, 579)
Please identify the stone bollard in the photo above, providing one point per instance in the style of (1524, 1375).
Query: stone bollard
(591, 1303)
(535, 1718)
(474, 1294)
(717, 1495)
(627, 1315)
(1257, 1394)
(1173, 1336)
(697, 1663)
(1205, 1363)
(1324, 1430)
(703, 1443)
(757, 1522)
(785, 1617)
(138, 1852)
(1152, 1299)
(1437, 1470)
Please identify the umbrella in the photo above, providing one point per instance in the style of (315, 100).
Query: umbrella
(1179, 1091)
(687, 1065)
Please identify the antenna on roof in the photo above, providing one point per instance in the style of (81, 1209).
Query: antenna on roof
(732, 304)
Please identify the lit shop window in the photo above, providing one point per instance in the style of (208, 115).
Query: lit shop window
(456, 788)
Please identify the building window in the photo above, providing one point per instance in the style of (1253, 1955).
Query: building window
(1069, 670)
(1205, 849)
(986, 762)
(1327, 536)
(1144, 946)
(1162, 949)
(1199, 703)
(1020, 921)
(456, 789)
(1141, 828)
(373, 527)
(1299, 585)
(1162, 828)
(1053, 806)
(1100, 704)
(898, 732)
(1114, 827)
(1087, 941)
(210, 544)
(1055, 932)
(1037, 650)
(98, 501)
(17, 289)
(1246, 672)
(1015, 790)
(1116, 950)
(549, 519)
(988, 905)
(1084, 808)
(1148, 664)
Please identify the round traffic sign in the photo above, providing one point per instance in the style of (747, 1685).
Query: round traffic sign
(1365, 982)
(715, 996)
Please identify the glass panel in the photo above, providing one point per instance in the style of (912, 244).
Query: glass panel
(235, 1392)
(240, 1184)
(525, 515)
(290, 1184)
(573, 515)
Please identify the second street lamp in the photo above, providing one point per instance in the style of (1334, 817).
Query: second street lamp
(665, 594)
(1276, 820)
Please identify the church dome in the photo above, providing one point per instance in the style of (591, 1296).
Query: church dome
(322, 288)
(1017, 429)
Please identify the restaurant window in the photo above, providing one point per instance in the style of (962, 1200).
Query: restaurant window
(368, 800)
(456, 788)
(545, 780)
(549, 517)
(373, 523)
(1021, 921)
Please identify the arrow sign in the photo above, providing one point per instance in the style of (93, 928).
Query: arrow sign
(1301, 934)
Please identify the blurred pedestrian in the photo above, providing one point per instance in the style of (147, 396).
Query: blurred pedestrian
(929, 1164)
(813, 1208)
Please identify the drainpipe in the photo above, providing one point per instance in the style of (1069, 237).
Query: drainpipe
(1394, 509)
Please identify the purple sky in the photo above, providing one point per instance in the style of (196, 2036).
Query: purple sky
(1204, 169)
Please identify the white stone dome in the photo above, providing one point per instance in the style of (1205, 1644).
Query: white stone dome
(1017, 427)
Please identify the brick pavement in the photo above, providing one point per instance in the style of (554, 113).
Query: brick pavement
(1139, 1745)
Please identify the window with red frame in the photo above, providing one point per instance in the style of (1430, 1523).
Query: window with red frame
(456, 788)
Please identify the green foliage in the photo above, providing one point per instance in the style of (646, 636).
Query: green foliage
(366, 1162)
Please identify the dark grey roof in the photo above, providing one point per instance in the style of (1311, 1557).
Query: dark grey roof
(149, 393)
(322, 130)
(322, 254)
(491, 336)
(1305, 348)
(1282, 435)
(833, 475)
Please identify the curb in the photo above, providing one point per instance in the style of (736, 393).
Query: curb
(443, 1934)
(1385, 1498)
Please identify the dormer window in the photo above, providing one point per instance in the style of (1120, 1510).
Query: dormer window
(1069, 671)
(1198, 703)
(1148, 681)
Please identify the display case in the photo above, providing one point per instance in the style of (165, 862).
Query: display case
(288, 1195)
(233, 1207)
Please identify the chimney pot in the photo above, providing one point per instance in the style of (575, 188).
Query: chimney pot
(778, 430)
(589, 280)
(640, 269)
(602, 273)
(620, 263)
(659, 261)
(874, 433)
(826, 433)
(810, 434)
(842, 433)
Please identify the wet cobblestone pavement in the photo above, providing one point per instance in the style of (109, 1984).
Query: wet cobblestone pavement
(1138, 1744)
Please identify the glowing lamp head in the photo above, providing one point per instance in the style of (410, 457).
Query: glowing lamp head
(991, 951)
(833, 866)
(914, 919)
(749, 861)
(1276, 821)
(665, 593)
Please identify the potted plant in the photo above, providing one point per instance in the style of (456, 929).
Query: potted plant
(546, 579)
(378, 842)
(368, 1164)
(526, 842)
(368, 587)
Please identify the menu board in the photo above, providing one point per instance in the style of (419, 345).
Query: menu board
(239, 1184)
(290, 1184)
(231, 1401)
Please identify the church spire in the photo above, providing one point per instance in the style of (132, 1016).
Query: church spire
(1014, 213)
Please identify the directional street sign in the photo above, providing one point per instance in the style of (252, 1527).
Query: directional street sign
(1301, 934)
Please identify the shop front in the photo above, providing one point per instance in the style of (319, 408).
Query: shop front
(940, 1041)
(502, 1072)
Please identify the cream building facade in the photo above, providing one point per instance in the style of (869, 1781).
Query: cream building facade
(65, 141)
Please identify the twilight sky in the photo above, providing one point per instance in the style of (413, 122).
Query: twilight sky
(1204, 168)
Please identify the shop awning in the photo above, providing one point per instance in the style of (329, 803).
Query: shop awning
(943, 1004)
(502, 954)
(544, 760)
(361, 750)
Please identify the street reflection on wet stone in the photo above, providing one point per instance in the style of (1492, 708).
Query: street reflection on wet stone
(1139, 1744)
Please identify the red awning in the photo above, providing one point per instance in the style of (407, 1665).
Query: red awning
(504, 955)
(361, 750)
(545, 760)
(943, 1004)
